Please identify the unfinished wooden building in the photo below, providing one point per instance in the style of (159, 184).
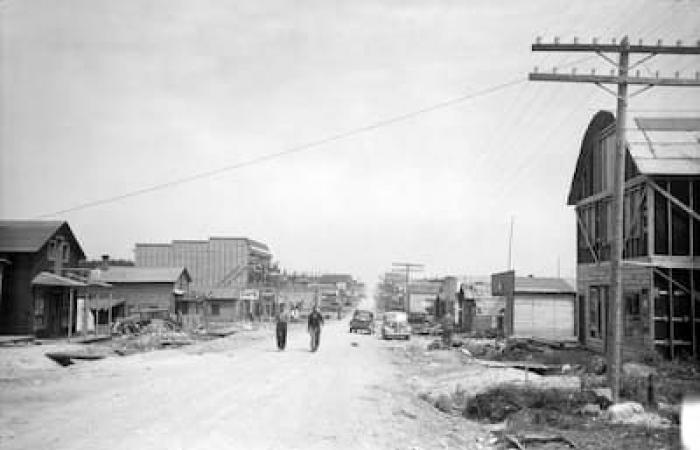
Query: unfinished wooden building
(661, 254)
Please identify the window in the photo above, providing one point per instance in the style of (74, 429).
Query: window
(65, 252)
(39, 312)
(597, 301)
(593, 305)
(632, 317)
(215, 310)
(52, 250)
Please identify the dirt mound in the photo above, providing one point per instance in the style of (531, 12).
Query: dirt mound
(498, 403)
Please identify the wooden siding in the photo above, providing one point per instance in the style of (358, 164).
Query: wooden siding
(635, 280)
(212, 264)
(544, 316)
(17, 306)
(138, 296)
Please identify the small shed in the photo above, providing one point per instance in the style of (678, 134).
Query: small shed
(537, 307)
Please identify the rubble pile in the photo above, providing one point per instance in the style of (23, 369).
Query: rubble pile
(133, 336)
(500, 402)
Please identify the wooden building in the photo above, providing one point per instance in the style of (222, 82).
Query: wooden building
(479, 310)
(35, 296)
(149, 291)
(536, 307)
(219, 262)
(660, 275)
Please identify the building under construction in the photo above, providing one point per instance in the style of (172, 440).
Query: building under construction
(661, 264)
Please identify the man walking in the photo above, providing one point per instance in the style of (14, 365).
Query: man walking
(314, 327)
(281, 329)
(447, 329)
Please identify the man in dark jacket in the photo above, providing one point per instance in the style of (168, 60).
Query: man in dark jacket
(282, 319)
(314, 327)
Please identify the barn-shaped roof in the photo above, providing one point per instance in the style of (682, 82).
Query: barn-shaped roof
(28, 236)
(655, 146)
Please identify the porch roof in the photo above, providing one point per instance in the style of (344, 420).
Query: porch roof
(51, 279)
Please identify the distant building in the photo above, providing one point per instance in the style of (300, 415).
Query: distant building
(233, 272)
(479, 310)
(536, 307)
(35, 296)
(661, 253)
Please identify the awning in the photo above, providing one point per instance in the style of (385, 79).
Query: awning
(51, 279)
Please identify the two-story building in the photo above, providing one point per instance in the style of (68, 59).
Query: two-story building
(232, 273)
(36, 298)
(661, 252)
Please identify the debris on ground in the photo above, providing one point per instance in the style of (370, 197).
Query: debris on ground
(498, 403)
(135, 336)
(519, 441)
(67, 359)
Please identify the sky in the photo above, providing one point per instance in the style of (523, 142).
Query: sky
(101, 98)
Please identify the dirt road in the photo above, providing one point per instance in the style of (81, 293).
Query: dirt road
(232, 394)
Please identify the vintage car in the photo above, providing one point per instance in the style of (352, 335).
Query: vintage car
(419, 322)
(362, 320)
(395, 325)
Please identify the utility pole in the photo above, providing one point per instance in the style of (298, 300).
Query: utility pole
(408, 268)
(510, 244)
(622, 80)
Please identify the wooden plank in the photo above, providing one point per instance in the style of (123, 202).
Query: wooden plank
(675, 201)
(651, 225)
(692, 274)
(584, 231)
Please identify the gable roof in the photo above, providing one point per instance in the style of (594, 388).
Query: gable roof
(51, 279)
(143, 274)
(28, 236)
(543, 285)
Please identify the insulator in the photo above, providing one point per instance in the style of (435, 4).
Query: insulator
(539, 39)
(637, 74)
(641, 42)
(679, 43)
(612, 72)
(660, 42)
(657, 74)
(614, 41)
(593, 71)
(573, 71)
(554, 70)
(556, 40)
(595, 41)
(575, 40)
(535, 71)
(678, 74)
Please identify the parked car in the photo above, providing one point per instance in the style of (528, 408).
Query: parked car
(395, 325)
(419, 322)
(362, 320)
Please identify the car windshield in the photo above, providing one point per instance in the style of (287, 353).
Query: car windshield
(363, 315)
(395, 316)
(417, 318)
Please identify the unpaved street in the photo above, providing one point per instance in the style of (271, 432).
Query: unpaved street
(232, 393)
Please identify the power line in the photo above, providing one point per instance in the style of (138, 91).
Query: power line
(296, 149)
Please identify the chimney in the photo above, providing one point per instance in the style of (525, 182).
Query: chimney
(105, 262)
